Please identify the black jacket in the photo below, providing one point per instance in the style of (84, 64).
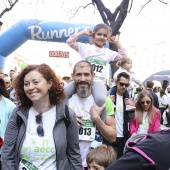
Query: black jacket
(127, 115)
(155, 98)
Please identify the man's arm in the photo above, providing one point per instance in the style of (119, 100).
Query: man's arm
(107, 128)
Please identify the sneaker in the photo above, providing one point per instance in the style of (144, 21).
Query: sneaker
(130, 108)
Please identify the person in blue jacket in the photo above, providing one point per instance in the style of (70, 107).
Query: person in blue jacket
(6, 108)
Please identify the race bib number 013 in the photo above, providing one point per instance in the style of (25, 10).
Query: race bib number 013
(87, 132)
(26, 165)
(99, 67)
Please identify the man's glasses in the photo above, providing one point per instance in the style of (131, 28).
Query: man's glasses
(123, 84)
(147, 102)
(40, 130)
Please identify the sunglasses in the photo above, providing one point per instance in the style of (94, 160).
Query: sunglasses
(40, 130)
(147, 102)
(123, 84)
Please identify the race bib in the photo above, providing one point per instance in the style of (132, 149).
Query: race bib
(26, 165)
(99, 67)
(87, 132)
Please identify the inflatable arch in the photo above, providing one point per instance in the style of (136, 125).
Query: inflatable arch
(37, 30)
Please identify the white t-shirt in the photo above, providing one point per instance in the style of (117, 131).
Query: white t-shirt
(163, 101)
(168, 97)
(143, 128)
(81, 107)
(98, 57)
(39, 151)
(119, 115)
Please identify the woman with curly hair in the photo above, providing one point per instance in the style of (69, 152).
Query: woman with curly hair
(37, 136)
(147, 117)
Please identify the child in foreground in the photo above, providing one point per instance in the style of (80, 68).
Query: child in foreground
(100, 157)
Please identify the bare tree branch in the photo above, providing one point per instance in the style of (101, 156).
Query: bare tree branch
(104, 12)
(130, 6)
(144, 6)
(78, 8)
(8, 9)
(163, 2)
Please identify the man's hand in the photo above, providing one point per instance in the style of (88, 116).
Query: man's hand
(96, 111)
(79, 121)
(129, 102)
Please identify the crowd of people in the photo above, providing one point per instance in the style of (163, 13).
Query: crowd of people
(76, 123)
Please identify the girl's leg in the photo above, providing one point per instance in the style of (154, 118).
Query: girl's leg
(99, 93)
(69, 89)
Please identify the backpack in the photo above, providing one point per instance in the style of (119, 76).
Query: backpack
(66, 121)
(145, 152)
(154, 147)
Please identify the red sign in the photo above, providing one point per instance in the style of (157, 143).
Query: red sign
(60, 54)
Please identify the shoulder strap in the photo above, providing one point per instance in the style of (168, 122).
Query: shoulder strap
(66, 120)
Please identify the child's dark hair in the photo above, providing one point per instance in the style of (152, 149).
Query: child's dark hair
(103, 155)
(100, 26)
(123, 61)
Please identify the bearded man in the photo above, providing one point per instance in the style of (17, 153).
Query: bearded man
(92, 129)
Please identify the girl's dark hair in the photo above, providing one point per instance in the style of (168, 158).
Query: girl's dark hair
(56, 92)
(100, 26)
(3, 90)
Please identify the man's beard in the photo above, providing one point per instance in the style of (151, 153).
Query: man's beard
(83, 91)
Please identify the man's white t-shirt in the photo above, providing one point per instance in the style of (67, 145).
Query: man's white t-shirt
(81, 107)
(119, 115)
(143, 128)
(39, 151)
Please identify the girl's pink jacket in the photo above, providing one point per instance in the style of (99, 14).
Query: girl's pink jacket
(154, 126)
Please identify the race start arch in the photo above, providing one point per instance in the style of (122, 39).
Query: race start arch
(38, 30)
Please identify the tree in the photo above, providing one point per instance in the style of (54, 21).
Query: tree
(11, 5)
(115, 19)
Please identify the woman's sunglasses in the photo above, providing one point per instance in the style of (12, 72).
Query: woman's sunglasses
(123, 84)
(147, 102)
(40, 130)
